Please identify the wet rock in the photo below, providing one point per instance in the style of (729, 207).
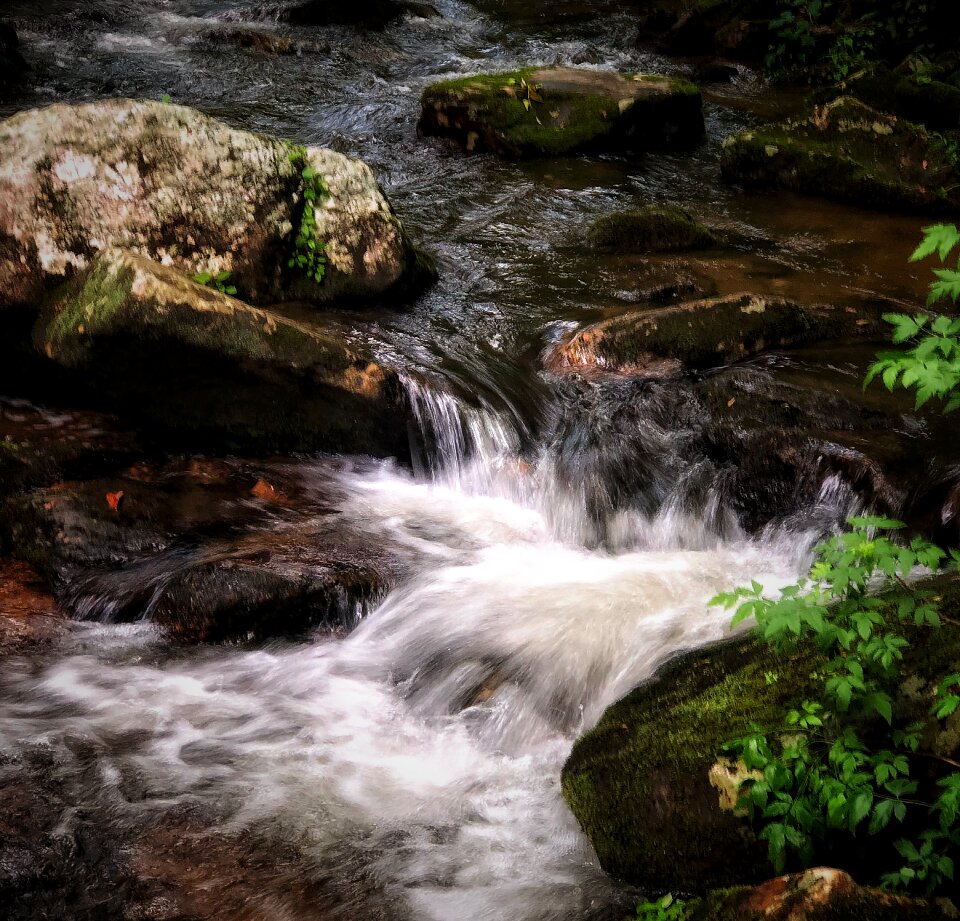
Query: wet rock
(918, 98)
(253, 39)
(206, 367)
(716, 72)
(370, 14)
(29, 616)
(40, 445)
(702, 334)
(210, 550)
(655, 229)
(560, 110)
(173, 184)
(656, 796)
(819, 894)
(849, 152)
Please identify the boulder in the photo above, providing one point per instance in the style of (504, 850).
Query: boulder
(560, 110)
(203, 367)
(819, 894)
(211, 550)
(653, 229)
(703, 334)
(918, 98)
(849, 152)
(653, 791)
(186, 190)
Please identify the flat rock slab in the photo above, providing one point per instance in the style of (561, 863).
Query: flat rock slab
(559, 110)
(706, 333)
(851, 153)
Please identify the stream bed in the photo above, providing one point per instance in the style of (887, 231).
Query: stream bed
(557, 541)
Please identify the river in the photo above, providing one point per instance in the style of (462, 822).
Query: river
(410, 768)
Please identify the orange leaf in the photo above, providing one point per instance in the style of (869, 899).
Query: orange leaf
(115, 500)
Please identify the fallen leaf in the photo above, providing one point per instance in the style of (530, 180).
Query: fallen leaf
(731, 401)
(115, 500)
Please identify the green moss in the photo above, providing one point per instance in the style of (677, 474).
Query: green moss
(497, 113)
(851, 153)
(639, 782)
(656, 228)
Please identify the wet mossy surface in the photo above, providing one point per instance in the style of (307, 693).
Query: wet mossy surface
(656, 229)
(569, 110)
(849, 152)
(639, 782)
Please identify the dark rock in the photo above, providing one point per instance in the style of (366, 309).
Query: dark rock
(702, 334)
(560, 110)
(716, 72)
(820, 894)
(653, 792)
(12, 65)
(207, 368)
(655, 229)
(849, 152)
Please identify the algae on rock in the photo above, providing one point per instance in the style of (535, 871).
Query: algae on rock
(559, 110)
(654, 228)
(203, 365)
(849, 152)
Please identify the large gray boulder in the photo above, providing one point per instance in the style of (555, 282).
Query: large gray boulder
(173, 184)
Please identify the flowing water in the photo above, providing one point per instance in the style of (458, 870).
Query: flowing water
(413, 766)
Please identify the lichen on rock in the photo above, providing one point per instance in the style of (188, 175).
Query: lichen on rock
(173, 184)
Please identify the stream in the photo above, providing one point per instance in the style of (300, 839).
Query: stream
(409, 768)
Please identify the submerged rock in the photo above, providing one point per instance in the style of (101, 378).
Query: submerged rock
(849, 152)
(203, 366)
(653, 791)
(655, 228)
(702, 334)
(819, 894)
(173, 184)
(559, 110)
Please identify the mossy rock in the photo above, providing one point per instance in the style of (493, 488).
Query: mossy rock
(210, 370)
(705, 333)
(849, 152)
(653, 229)
(554, 111)
(918, 98)
(653, 791)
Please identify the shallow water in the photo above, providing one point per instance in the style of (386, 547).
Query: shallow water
(425, 748)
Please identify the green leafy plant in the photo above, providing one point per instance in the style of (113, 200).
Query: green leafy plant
(840, 764)
(309, 254)
(666, 908)
(931, 365)
(218, 281)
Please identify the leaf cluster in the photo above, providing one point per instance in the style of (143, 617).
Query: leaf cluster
(309, 253)
(931, 364)
(830, 770)
(666, 908)
(220, 281)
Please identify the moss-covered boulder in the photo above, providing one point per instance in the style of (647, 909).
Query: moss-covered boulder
(704, 333)
(849, 152)
(559, 110)
(203, 366)
(819, 894)
(173, 184)
(653, 229)
(919, 98)
(653, 791)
